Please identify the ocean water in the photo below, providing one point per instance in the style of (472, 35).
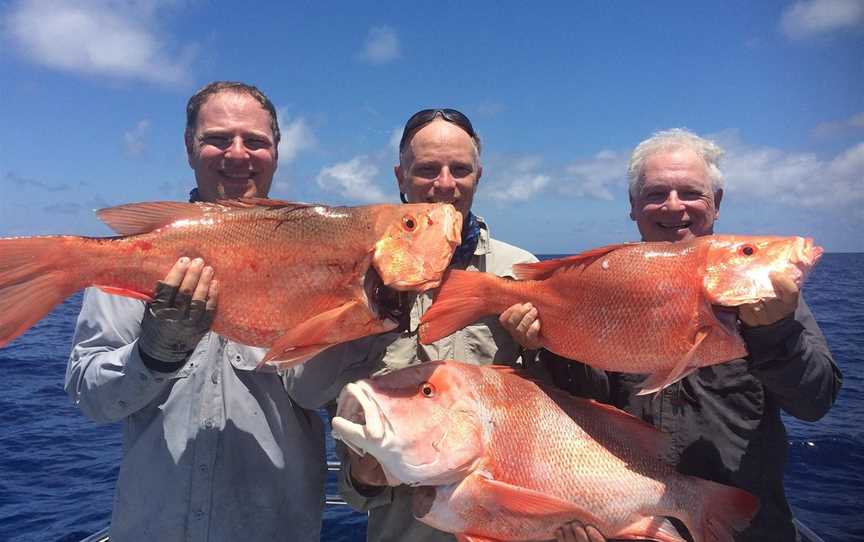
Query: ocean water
(57, 468)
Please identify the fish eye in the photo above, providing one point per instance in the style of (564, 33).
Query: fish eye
(409, 223)
(427, 389)
(747, 250)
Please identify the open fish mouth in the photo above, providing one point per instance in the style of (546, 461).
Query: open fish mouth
(359, 422)
(362, 425)
(805, 255)
(386, 302)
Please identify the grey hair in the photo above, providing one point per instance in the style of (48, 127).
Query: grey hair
(670, 140)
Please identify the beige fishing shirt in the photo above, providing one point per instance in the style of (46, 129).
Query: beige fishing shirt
(319, 381)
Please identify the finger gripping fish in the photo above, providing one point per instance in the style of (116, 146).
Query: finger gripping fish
(637, 308)
(293, 277)
(496, 457)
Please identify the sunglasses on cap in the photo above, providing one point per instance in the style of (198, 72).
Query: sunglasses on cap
(424, 117)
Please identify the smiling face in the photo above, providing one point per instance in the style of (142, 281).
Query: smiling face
(676, 200)
(440, 165)
(232, 150)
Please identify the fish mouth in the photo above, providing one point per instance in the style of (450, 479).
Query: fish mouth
(805, 255)
(385, 302)
(359, 422)
(362, 425)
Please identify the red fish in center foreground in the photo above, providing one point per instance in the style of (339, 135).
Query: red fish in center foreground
(634, 308)
(499, 458)
(296, 278)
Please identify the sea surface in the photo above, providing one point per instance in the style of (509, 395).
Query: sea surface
(57, 468)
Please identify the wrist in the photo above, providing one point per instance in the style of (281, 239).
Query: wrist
(160, 366)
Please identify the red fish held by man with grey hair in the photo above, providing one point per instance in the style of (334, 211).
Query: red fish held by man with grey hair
(660, 308)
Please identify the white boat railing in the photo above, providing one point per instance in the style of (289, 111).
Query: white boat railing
(807, 534)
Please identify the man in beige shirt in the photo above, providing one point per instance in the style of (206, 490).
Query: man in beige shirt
(439, 161)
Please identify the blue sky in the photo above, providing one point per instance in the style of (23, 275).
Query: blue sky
(93, 93)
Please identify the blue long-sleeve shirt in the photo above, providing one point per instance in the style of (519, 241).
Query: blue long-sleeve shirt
(214, 451)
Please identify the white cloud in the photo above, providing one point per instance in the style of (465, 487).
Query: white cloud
(354, 179)
(395, 138)
(603, 176)
(382, 46)
(515, 179)
(100, 37)
(838, 127)
(762, 174)
(797, 179)
(134, 138)
(296, 137)
(813, 17)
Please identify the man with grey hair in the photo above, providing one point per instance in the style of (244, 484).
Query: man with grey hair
(724, 419)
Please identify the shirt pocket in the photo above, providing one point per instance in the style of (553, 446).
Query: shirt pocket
(485, 342)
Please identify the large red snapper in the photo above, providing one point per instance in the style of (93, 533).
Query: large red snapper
(295, 278)
(634, 308)
(499, 458)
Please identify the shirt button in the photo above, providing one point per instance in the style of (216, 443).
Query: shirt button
(214, 378)
(202, 467)
(199, 514)
(121, 403)
(208, 423)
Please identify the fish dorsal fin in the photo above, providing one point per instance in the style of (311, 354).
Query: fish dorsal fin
(544, 269)
(138, 218)
(248, 203)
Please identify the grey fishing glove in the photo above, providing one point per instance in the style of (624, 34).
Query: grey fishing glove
(172, 327)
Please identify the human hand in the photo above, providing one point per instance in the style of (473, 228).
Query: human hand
(576, 531)
(768, 311)
(181, 312)
(522, 323)
(366, 470)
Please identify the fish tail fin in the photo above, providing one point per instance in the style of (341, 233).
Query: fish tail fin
(463, 298)
(33, 280)
(726, 511)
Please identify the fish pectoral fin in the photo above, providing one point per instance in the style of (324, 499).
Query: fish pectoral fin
(465, 537)
(651, 528)
(658, 381)
(348, 321)
(138, 218)
(546, 268)
(528, 503)
(285, 358)
(126, 293)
